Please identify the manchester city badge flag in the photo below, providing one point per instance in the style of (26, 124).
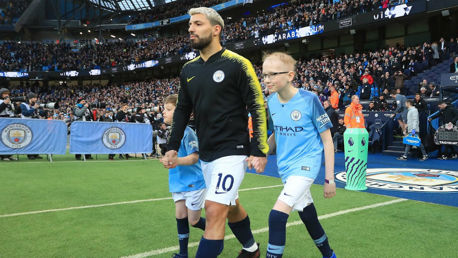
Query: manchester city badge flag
(32, 136)
(110, 138)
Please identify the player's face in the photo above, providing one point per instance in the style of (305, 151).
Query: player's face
(276, 75)
(200, 31)
(169, 109)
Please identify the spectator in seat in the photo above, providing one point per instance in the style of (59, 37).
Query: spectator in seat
(454, 65)
(332, 115)
(364, 91)
(338, 135)
(399, 78)
(334, 98)
(433, 90)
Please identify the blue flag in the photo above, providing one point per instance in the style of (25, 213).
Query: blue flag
(110, 138)
(32, 136)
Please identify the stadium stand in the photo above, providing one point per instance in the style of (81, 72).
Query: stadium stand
(11, 10)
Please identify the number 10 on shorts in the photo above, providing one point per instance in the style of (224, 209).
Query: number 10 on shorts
(225, 183)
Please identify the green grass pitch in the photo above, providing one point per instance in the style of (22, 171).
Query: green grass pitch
(400, 229)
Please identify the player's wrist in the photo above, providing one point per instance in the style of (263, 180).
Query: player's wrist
(329, 181)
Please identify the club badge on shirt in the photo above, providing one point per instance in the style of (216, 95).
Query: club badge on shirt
(218, 76)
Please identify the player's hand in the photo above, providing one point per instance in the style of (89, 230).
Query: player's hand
(258, 163)
(329, 189)
(170, 159)
(7, 101)
(36, 106)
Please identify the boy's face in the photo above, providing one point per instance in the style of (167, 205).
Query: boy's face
(169, 109)
(276, 75)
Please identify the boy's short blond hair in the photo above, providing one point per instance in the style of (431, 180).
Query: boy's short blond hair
(172, 99)
(283, 57)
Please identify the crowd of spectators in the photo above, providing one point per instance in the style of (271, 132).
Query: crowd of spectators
(372, 76)
(297, 14)
(11, 10)
(37, 56)
(51, 56)
(170, 10)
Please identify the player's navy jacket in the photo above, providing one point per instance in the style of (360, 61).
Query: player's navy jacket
(221, 92)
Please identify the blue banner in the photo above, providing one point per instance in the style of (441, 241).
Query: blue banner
(293, 34)
(32, 136)
(110, 138)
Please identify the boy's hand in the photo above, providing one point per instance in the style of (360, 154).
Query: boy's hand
(170, 159)
(329, 189)
(258, 163)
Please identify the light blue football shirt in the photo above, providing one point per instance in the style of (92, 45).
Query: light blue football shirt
(187, 178)
(297, 125)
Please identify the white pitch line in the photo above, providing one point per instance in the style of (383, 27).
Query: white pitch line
(114, 203)
(45, 162)
(266, 229)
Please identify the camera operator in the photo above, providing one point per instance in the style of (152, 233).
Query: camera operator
(141, 116)
(162, 136)
(123, 115)
(29, 110)
(6, 110)
(82, 113)
(6, 106)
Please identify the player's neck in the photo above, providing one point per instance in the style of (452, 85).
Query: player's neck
(287, 93)
(210, 50)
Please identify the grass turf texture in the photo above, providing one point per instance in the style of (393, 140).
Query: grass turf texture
(405, 229)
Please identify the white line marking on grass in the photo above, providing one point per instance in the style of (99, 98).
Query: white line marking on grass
(115, 203)
(266, 229)
(46, 162)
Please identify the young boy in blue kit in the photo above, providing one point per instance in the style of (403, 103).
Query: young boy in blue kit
(301, 132)
(186, 182)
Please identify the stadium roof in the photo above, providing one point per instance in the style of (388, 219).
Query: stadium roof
(126, 5)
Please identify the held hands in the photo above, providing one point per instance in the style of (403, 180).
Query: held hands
(329, 189)
(170, 159)
(258, 163)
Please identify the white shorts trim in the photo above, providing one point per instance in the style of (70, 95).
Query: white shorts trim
(194, 200)
(296, 192)
(223, 177)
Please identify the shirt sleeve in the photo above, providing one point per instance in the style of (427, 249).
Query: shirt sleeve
(2, 106)
(320, 118)
(27, 111)
(190, 142)
(253, 98)
(181, 115)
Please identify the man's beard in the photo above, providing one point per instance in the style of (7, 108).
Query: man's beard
(201, 43)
